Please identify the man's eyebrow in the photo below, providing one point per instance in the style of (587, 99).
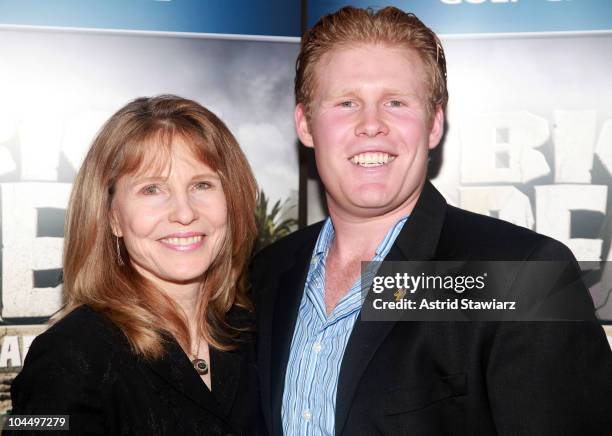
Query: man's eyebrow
(399, 92)
(385, 92)
(342, 93)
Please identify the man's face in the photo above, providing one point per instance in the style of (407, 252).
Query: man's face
(370, 129)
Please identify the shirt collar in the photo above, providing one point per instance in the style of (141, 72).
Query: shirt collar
(326, 237)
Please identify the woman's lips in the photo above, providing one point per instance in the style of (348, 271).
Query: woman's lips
(183, 243)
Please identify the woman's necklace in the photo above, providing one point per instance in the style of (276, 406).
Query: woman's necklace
(199, 365)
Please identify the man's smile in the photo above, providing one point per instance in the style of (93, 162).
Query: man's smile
(372, 159)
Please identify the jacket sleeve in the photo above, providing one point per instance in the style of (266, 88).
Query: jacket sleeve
(551, 377)
(62, 376)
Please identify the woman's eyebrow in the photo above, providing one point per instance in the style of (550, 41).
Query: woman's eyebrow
(147, 179)
(207, 174)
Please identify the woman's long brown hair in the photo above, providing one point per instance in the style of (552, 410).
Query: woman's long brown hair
(140, 134)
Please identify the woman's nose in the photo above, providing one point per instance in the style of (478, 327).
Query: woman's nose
(182, 209)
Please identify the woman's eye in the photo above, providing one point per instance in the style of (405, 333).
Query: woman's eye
(150, 190)
(202, 185)
(395, 103)
(347, 103)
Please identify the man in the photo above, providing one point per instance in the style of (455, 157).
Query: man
(371, 94)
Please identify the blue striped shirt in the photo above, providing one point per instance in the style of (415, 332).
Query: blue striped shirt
(319, 341)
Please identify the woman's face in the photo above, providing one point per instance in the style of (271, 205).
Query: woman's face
(172, 222)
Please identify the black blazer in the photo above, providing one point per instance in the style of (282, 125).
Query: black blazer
(83, 367)
(439, 378)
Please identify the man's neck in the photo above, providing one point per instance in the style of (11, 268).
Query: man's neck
(359, 237)
(355, 240)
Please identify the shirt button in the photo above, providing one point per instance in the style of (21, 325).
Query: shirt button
(306, 414)
(316, 347)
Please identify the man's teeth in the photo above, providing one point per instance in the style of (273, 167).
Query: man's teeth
(371, 159)
(183, 241)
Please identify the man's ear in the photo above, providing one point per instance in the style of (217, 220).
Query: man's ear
(437, 128)
(302, 126)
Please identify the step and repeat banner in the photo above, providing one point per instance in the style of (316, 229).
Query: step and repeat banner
(529, 136)
(66, 66)
(529, 120)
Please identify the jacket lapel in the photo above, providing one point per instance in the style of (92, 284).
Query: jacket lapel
(278, 312)
(291, 289)
(225, 375)
(175, 369)
(418, 240)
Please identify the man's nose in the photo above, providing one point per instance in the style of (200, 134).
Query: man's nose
(371, 122)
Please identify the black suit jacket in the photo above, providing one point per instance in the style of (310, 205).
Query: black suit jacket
(83, 367)
(438, 378)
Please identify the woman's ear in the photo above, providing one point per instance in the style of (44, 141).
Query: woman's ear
(114, 223)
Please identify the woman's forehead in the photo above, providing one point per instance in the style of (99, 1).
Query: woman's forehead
(158, 160)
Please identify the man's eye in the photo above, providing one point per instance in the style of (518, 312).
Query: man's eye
(150, 190)
(347, 103)
(395, 103)
(202, 186)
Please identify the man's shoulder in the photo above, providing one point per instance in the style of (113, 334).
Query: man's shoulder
(291, 244)
(284, 253)
(478, 226)
(472, 235)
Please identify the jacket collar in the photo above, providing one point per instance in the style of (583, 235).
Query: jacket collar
(175, 368)
(419, 238)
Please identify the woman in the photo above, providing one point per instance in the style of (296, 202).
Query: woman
(156, 339)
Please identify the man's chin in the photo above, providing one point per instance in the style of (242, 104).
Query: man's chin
(373, 204)
(374, 199)
(370, 207)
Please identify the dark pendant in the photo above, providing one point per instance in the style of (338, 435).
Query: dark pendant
(200, 366)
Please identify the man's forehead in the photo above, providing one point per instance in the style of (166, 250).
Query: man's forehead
(399, 50)
(354, 70)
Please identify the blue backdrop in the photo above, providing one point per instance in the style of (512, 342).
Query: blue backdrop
(247, 17)
(491, 16)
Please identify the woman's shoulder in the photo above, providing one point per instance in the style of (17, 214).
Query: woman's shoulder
(70, 368)
(82, 329)
(80, 349)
